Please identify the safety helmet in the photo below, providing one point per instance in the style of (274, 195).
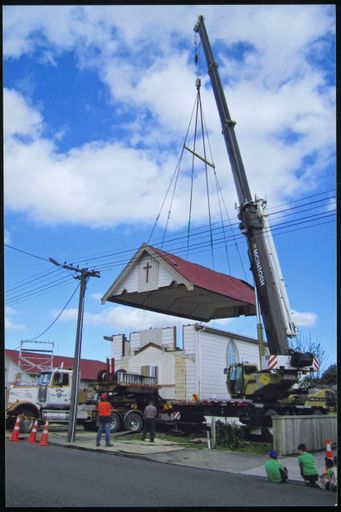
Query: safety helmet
(104, 395)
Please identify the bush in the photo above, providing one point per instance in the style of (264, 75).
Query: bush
(229, 434)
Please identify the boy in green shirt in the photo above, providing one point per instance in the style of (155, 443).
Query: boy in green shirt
(307, 466)
(274, 470)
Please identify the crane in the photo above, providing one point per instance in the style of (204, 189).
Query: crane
(282, 366)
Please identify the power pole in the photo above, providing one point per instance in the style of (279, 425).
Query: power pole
(84, 276)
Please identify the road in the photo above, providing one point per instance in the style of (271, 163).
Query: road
(56, 476)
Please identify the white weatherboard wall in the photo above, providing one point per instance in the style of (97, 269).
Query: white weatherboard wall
(165, 362)
(205, 376)
(201, 361)
(139, 280)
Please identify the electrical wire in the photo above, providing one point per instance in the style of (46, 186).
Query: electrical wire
(92, 258)
(55, 320)
(27, 253)
(176, 243)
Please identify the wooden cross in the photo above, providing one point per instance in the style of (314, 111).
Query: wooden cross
(147, 267)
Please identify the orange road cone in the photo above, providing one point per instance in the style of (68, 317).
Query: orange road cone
(15, 434)
(33, 435)
(329, 451)
(45, 436)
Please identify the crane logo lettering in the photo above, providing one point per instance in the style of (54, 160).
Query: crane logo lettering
(258, 266)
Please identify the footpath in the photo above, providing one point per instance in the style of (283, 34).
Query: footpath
(179, 454)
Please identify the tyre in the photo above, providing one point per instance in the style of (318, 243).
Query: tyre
(116, 422)
(27, 420)
(101, 376)
(267, 432)
(10, 423)
(133, 422)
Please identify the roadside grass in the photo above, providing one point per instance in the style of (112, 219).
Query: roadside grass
(198, 441)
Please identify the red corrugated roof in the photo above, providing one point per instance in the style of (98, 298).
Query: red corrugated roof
(208, 279)
(88, 367)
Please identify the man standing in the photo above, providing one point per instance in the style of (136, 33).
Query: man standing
(149, 421)
(104, 419)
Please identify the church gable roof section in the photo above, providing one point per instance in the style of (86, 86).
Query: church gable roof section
(189, 290)
(153, 345)
(88, 367)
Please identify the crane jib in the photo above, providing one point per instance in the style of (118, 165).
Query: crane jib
(273, 301)
(259, 269)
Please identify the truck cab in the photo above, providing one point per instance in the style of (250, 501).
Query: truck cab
(54, 388)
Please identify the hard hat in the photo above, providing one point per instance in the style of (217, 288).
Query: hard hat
(104, 395)
(273, 454)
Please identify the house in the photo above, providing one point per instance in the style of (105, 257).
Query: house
(159, 281)
(196, 367)
(14, 372)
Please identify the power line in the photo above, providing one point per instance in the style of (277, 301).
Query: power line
(25, 252)
(40, 291)
(173, 243)
(55, 320)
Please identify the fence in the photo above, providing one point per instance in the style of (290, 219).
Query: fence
(290, 431)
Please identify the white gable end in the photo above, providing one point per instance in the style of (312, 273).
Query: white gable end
(147, 274)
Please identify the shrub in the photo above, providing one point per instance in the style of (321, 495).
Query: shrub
(229, 434)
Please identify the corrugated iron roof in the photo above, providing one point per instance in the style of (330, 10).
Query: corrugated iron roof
(88, 367)
(192, 291)
(208, 279)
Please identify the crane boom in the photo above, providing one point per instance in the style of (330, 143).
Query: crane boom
(272, 296)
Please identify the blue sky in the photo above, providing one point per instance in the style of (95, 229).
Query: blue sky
(97, 102)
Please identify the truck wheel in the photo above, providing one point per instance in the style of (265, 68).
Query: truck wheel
(267, 432)
(101, 375)
(133, 422)
(116, 422)
(10, 422)
(27, 421)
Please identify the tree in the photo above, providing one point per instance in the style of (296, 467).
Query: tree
(307, 344)
(329, 377)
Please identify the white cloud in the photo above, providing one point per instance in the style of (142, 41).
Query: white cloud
(106, 184)
(7, 237)
(124, 318)
(10, 325)
(19, 117)
(304, 319)
(96, 296)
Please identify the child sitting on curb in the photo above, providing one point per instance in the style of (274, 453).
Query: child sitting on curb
(275, 471)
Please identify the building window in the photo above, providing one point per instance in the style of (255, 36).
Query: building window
(145, 371)
(155, 373)
(231, 354)
(150, 371)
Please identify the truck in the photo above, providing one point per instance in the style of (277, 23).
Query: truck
(268, 387)
(129, 393)
(50, 399)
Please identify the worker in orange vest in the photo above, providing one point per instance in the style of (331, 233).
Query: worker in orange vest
(104, 419)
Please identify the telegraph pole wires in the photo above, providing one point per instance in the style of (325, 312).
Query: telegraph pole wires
(84, 275)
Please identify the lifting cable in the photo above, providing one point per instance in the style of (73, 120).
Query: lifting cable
(199, 124)
(175, 179)
(223, 225)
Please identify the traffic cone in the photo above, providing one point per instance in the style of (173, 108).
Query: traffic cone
(329, 451)
(15, 434)
(33, 435)
(45, 435)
